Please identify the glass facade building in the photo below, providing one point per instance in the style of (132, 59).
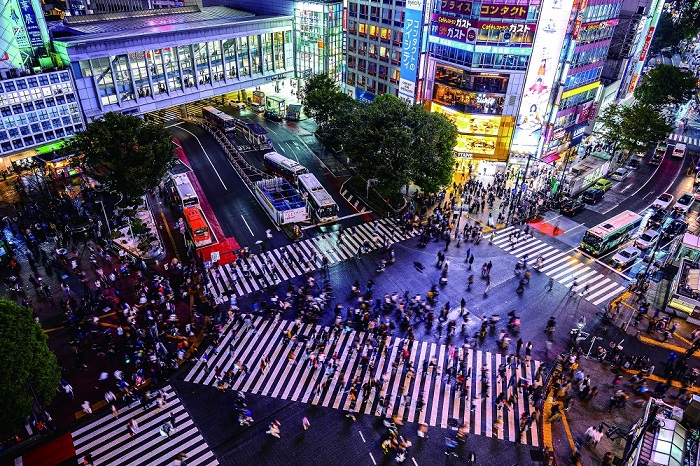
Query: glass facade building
(192, 56)
(37, 109)
(318, 29)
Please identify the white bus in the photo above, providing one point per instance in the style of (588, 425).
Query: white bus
(221, 120)
(321, 203)
(609, 234)
(284, 167)
(184, 193)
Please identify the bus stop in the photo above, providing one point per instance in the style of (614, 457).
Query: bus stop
(276, 105)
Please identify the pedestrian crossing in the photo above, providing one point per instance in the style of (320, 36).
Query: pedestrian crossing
(107, 439)
(289, 375)
(562, 267)
(293, 260)
(685, 139)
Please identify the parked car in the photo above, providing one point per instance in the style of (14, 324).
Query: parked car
(237, 104)
(272, 116)
(603, 184)
(258, 108)
(658, 219)
(647, 240)
(676, 227)
(663, 201)
(571, 207)
(633, 164)
(592, 195)
(620, 174)
(625, 257)
(684, 203)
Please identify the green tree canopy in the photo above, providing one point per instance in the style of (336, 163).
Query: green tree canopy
(667, 33)
(634, 128)
(125, 153)
(397, 143)
(666, 85)
(25, 359)
(320, 98)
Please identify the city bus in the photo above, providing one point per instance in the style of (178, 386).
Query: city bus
(321, 203)
(611, 233)
(281, 165)
(197, 225)
(253, 133)
(221, 120)
(184, 192)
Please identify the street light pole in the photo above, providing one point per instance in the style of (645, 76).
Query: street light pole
(109, 230)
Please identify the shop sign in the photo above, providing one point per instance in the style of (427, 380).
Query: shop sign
(504, 11)
(485, 99)
(599, 25)
(577, 26)
(410, 49)
(363, 97)
(459, 7)
(647, 42)
(30, 23)
(586, 112)
(463, 30)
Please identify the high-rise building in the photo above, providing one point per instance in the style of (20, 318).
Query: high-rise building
(384, 48)
(24, 38)
(318, 38)
(581, 86)
(477, 74)
(630, 45)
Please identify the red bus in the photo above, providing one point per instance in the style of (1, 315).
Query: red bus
(197, 226)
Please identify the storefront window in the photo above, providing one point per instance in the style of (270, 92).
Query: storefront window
(184, 53)
(172, 69)
(229, 51)
(255, 63)
(217, 66)
(120, 65)
(268, 62)
(469, 102)
(154, 62)
(242, 46)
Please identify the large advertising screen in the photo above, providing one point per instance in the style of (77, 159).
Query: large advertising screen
(541, 74)
(410, 49)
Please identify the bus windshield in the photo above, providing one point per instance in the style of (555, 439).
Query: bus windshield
(592, 240)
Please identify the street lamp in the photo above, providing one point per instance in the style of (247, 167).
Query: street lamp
(109, 230)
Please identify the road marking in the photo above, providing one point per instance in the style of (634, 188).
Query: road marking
(362, 436)
(246, 224)
(605, 265)
(207, 156)
(372, 456)
(414, 461)
(174, 124)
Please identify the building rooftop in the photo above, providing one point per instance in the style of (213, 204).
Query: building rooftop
(156, 23)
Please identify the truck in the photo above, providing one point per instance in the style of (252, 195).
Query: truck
(281, 201)
(585, 173)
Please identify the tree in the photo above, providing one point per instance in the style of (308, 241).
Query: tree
(27, 366)
(667, 33)
(320, 98)
(125, 153)
(397, 143)
(666, 85)
(634, 128)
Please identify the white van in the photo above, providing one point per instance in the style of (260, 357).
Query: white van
(679, 150)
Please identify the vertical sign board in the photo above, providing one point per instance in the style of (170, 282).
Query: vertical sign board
(410, 49)
(30, 23)
(541, 73)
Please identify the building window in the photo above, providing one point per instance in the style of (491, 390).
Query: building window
(362, 29)
(21, 84)
(9, 86)
(17, 109)
(34, 83)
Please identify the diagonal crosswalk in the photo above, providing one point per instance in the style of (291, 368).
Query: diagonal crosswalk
(107, 439)
(293, 260)
(354, 355)
(561, 266)
(685, 139)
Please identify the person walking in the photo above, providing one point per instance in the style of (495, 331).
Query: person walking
(305, 423)
(488, 285)
(87, 409)
(550, 284)
(274, 429)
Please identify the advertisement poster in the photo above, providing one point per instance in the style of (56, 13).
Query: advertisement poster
(410, 50)
(541, 74)
(504, 11)
(459, 7)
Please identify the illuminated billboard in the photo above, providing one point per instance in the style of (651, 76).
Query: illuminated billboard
(410, 49)
(541, 74)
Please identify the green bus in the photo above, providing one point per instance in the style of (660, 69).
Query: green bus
(611, 233)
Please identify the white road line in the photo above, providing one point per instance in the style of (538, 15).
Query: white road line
(246, 224)
(207, 156)
(372, 456)
(362, 436)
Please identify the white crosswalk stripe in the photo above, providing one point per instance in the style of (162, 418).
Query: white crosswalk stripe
(290, 375)
(107, 439)
(562, 267)
(685, 139)
(271, 267)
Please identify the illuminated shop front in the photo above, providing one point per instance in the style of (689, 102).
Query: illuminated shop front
(481, 137)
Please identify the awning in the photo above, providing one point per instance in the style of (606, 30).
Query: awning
(551, 158)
